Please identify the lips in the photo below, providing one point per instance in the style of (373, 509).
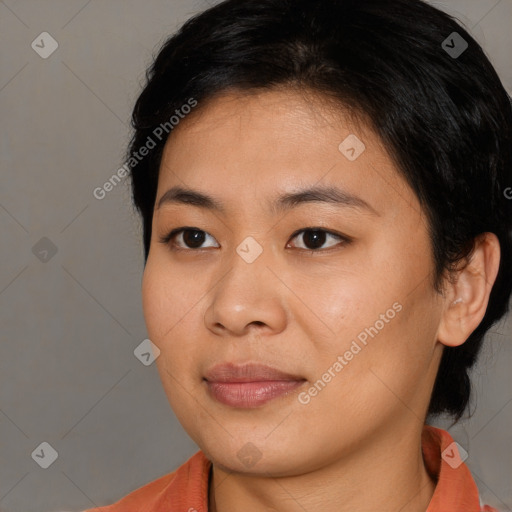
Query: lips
(249, 385)
(248, 373)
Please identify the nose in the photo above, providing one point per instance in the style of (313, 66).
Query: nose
(249, 297)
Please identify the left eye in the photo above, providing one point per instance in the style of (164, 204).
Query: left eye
(193, 238)
(316, 237)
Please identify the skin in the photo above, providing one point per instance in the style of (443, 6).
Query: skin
(357, 444)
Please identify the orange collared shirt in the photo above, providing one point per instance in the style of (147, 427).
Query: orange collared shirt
(186, 489)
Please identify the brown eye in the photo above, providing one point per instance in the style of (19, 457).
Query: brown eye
(188, 238)
(315, 238)
(193, 238)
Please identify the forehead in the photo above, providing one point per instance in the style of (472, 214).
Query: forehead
(280, 111)
(240, 145)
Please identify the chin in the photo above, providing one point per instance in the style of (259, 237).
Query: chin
(253, 457)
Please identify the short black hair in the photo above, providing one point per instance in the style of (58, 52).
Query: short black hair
(439, 108)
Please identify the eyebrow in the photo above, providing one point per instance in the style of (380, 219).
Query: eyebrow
(316, 194)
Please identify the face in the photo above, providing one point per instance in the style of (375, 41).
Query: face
(291, 331)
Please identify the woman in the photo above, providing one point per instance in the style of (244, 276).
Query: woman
(306, 371)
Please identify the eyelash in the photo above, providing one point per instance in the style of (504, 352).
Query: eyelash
(172, 234)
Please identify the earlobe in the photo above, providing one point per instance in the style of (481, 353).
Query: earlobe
(467, 295)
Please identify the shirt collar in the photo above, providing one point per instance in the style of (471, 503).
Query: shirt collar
(455, 487)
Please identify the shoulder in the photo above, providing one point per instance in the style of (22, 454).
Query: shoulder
(187, 484)
(444, 460)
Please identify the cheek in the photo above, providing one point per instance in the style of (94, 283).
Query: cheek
(166, 298)
(167, 309)
(384, 333)
(152, 302)
(171, 304)
(385, 368)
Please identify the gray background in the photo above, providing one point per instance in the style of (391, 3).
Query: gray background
(69, 325)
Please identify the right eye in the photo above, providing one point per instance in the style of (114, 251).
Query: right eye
(191, 237)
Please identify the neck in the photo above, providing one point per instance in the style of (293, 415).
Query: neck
(387, 475)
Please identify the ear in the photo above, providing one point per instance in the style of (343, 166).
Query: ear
(467, 294)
